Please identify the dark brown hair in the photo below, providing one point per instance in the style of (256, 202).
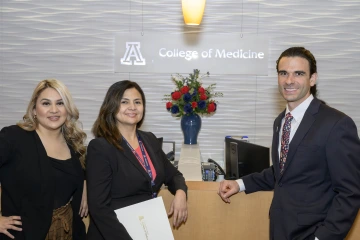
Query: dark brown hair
(105, 124)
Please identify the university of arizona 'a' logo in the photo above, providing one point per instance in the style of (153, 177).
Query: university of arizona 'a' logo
(132, 55)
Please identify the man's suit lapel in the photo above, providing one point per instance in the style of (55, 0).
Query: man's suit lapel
(305, 125)
(133, 160)
(275, 146)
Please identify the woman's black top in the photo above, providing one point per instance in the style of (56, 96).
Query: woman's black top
(28, 184)
(65, 180)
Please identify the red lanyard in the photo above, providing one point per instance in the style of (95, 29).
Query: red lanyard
(145, 162)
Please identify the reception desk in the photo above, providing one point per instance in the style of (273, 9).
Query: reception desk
(246, 217)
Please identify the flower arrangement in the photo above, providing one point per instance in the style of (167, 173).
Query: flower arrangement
(190, 96)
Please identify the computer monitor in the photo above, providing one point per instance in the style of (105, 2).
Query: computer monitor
(243, 158)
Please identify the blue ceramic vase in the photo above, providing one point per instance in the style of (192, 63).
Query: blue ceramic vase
(190, 125)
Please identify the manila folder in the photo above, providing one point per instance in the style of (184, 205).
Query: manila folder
(147, 220)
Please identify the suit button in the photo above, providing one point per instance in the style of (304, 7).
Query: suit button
(280, 184)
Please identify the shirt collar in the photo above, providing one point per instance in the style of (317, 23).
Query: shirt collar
(299, 111)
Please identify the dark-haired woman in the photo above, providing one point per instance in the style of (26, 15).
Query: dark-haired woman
(125, 165)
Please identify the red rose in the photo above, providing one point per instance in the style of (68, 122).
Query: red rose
(194, 104)
(168, 105)
(211, 107)
(201, 90)
(203, 97)
(176, 95)
(184, 89)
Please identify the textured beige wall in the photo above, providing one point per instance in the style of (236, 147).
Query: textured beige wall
(73, 41)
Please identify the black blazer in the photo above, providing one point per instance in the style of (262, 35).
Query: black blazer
(116, 179)
(319, 191)
(28, 185)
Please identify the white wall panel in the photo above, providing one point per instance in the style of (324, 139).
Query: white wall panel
(72, 41)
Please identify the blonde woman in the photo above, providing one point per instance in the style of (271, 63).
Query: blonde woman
(41, 169)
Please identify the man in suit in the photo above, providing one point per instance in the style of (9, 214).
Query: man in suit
(316, 160)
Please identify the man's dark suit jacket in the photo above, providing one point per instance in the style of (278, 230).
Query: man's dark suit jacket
(116, 179)
(28, 185)
(319, 191)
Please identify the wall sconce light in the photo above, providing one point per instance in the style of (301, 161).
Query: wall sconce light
(193, 11)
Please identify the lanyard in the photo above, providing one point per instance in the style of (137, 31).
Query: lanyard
(145, 162)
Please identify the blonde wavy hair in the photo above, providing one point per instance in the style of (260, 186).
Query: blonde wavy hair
(71, 129)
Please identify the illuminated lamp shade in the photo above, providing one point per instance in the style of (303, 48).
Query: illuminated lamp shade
(193, 11)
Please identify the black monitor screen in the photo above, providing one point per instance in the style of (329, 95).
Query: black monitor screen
(243, 158)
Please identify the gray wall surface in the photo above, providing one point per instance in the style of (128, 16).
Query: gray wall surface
(72, 41)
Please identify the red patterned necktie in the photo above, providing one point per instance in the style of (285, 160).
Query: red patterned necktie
(285, 141)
